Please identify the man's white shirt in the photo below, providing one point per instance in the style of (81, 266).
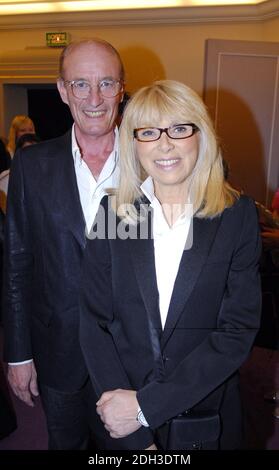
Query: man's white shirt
(91, 191)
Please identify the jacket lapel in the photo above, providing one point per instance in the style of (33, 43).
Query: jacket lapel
(64, 194)
(191, 264)
(192, 261)
(142, 254)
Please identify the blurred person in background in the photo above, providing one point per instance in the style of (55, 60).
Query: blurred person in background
(27, 139)
(20, 125)
(5, 159)
(270, 262)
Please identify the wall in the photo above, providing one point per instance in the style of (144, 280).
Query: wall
(176, 51)
(149, 51)
(271, 30)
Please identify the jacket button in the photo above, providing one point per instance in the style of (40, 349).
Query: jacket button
(196, 446)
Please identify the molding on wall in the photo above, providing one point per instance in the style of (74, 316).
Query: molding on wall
(179, 15)
(31, 64)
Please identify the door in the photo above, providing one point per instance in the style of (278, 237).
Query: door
(51, 116)
(242, 93)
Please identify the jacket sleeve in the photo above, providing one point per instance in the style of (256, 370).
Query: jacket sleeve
(18, 268)
(225, 348)
(96, 314)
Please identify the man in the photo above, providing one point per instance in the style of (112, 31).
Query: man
(54, 193)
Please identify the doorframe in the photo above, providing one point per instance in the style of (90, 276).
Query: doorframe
(216, 49)
(19, 70)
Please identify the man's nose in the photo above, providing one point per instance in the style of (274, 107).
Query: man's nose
(95, 97)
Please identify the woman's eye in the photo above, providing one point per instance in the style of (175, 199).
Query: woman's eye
(148, 132)
(180, 129)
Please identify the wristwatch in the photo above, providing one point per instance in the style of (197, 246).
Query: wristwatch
(141, 419)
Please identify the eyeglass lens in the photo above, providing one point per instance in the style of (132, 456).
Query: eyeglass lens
(108, 88)
(179, 131)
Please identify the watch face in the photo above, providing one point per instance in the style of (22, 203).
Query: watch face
(141, 419)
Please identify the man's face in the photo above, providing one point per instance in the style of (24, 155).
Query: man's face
(95, 115)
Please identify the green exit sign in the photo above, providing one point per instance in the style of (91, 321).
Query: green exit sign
(57, 39)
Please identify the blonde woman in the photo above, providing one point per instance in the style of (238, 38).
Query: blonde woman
(170, 304)
(20, 125)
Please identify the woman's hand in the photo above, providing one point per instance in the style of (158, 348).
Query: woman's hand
(118, 410)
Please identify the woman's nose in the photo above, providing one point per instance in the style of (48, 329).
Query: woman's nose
(165, 142)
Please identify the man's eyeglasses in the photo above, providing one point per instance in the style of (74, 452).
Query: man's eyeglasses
(108, 87)
(178, 131)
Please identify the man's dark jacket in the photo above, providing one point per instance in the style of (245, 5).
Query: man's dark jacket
(45, 239)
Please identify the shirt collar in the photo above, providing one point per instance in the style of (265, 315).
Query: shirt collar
(76, 150)
(147, 188)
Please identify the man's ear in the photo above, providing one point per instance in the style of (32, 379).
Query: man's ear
(122, 95)
(62, 90)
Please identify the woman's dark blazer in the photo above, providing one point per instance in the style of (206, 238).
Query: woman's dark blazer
(213, 317)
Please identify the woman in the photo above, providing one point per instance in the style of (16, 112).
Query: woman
(25, 140)
(275, 204)
(170, 304)
(270, 277)
(5, 159)
(20, 125)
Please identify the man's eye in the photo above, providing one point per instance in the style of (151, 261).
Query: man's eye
(82, 85)
(107, 84)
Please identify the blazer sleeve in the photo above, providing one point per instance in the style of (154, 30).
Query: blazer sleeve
(18, 268)
(225, 348)
(96, 313)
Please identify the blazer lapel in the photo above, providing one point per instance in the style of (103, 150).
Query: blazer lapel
(142, 254)
(64, 192)
(191, 264)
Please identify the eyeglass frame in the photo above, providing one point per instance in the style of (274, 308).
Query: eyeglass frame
(72, 82)
(166, 129)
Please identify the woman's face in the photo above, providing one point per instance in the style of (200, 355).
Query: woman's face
(25, 128)
(169, 161)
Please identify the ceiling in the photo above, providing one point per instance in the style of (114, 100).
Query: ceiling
(20, 7)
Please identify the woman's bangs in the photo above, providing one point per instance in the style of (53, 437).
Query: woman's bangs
(154, 108)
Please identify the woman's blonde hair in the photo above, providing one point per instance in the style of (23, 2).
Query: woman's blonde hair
(17, 122)
(209, 192)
